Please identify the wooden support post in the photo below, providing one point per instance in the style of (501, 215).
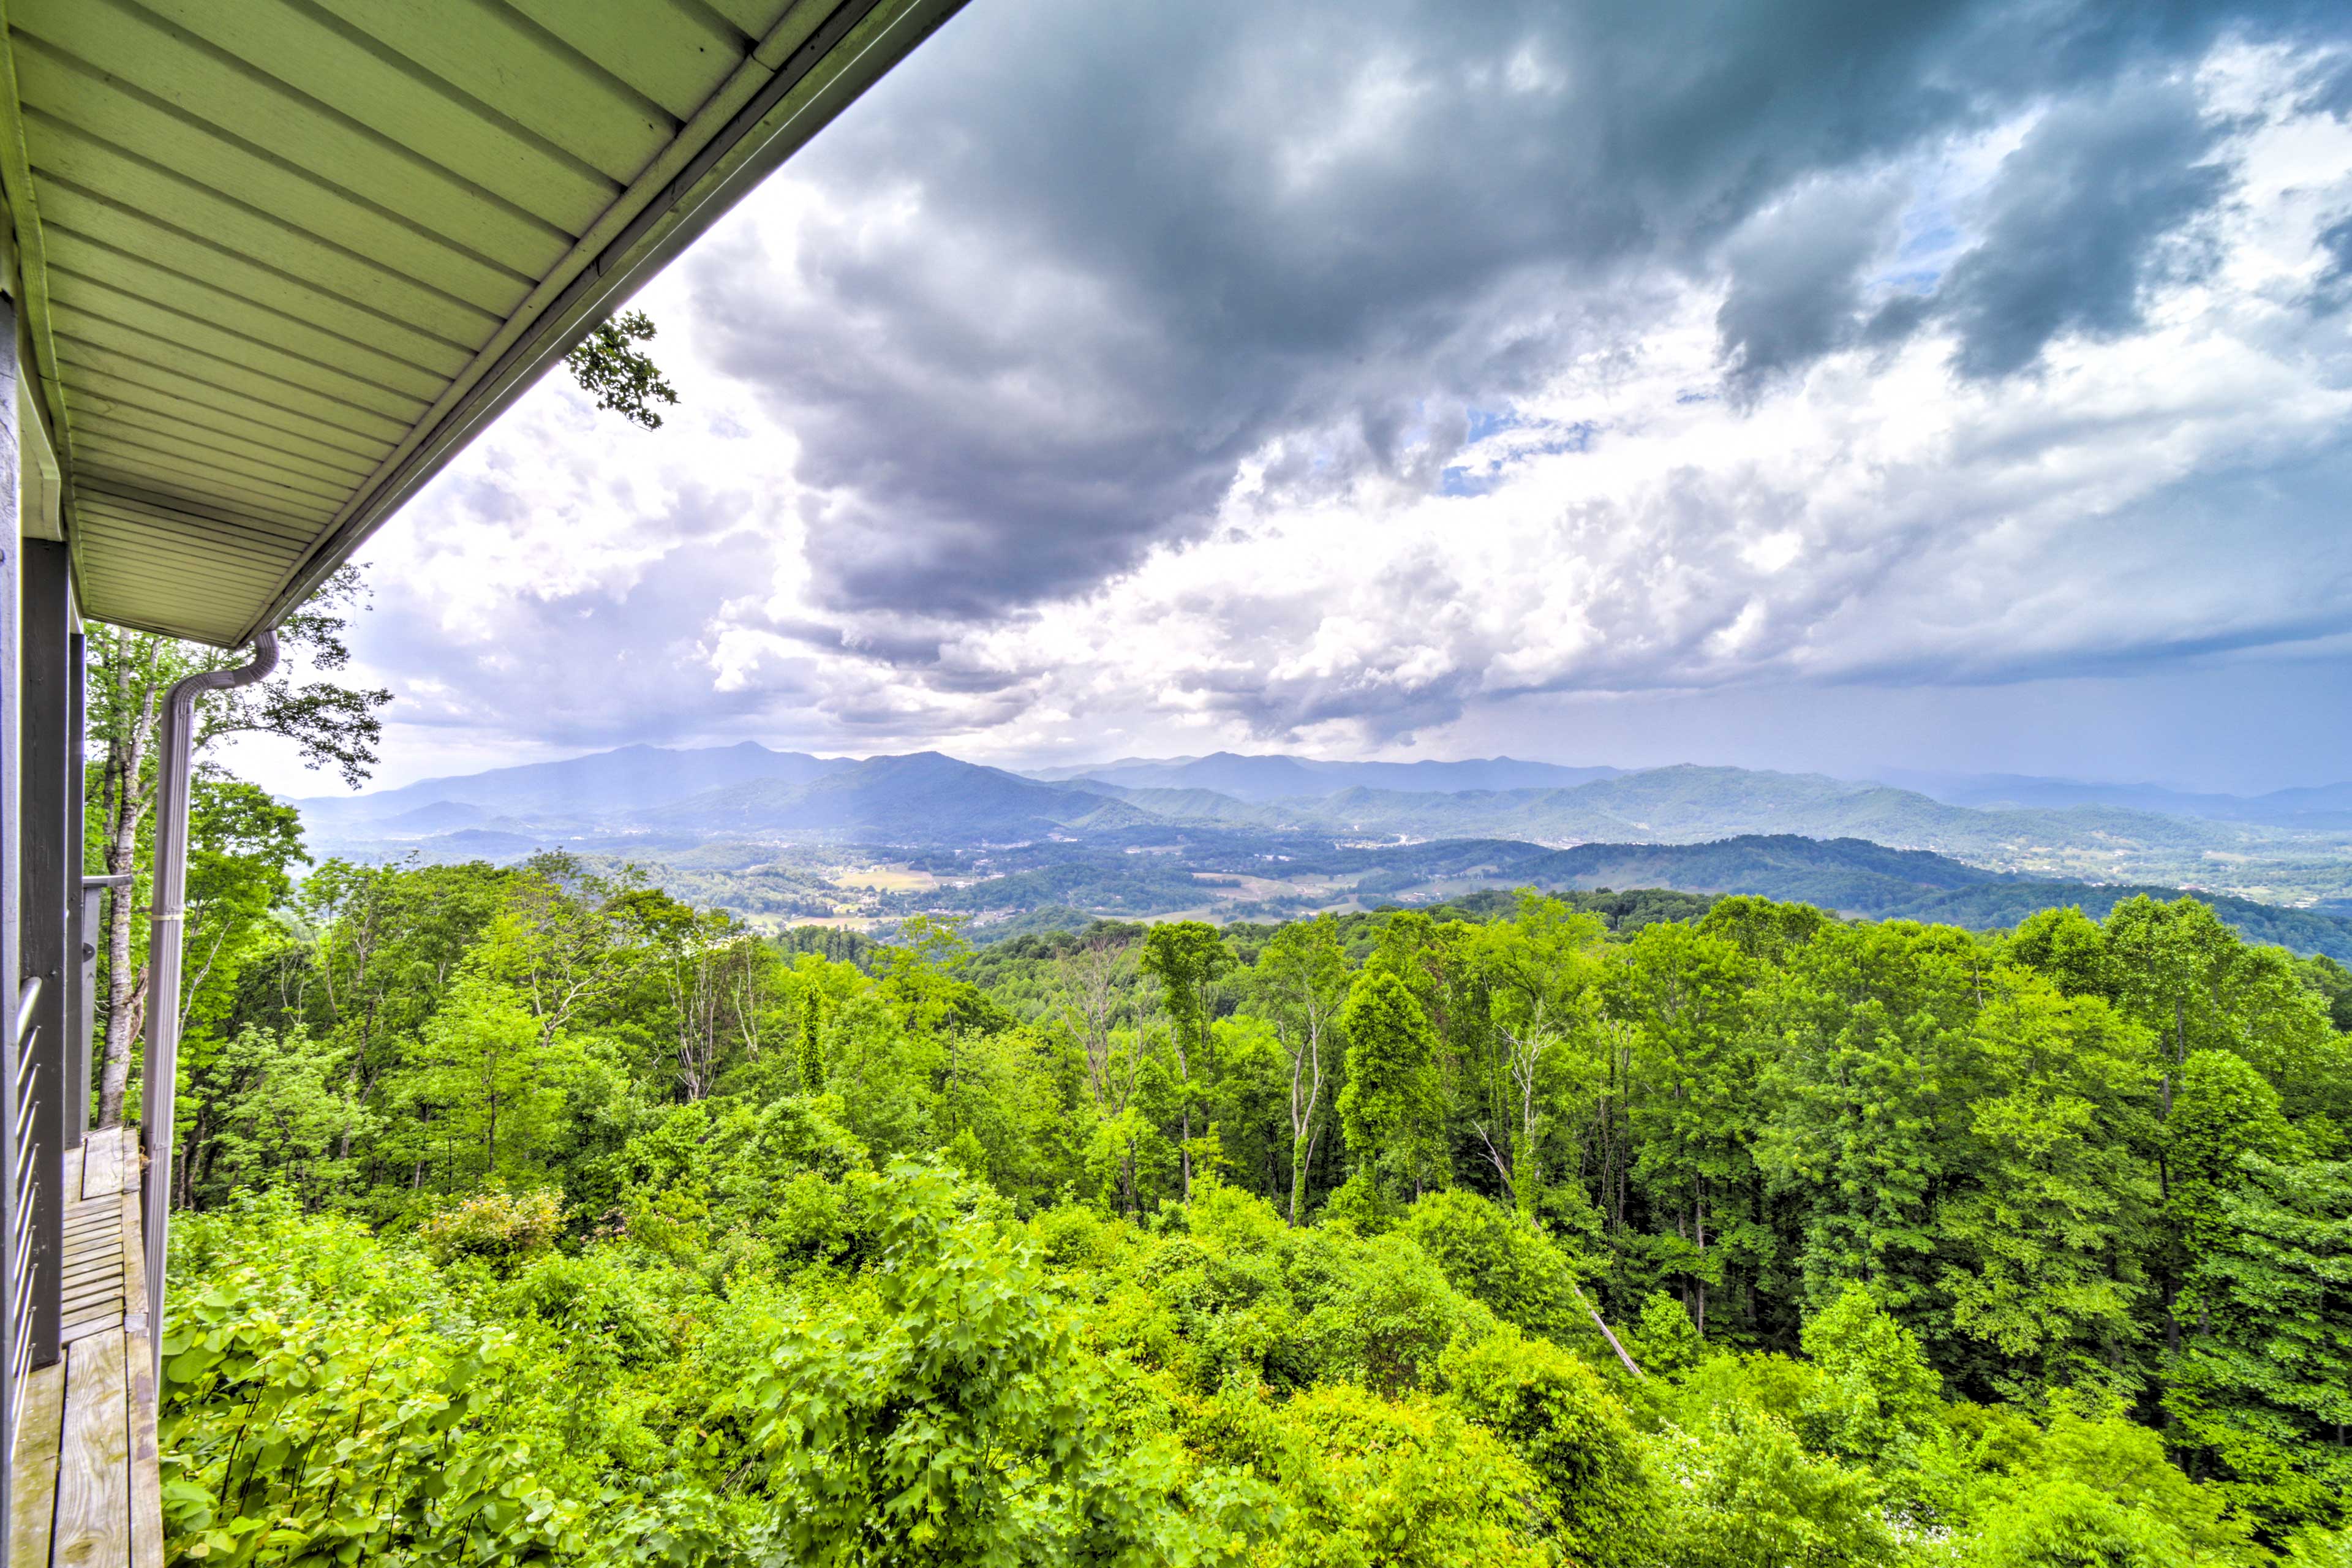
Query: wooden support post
(82, 931)
(12, 1297)
(94, 890)
(51, 862)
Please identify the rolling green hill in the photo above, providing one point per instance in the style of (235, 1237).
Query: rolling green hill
(928, 801)
(1851, 875)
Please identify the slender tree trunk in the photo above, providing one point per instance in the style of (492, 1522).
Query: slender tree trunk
(2180, 1056)
(1184, 1091)
(1302, 1122)
(197, 1137)
(1698, 1226)
(126, 989)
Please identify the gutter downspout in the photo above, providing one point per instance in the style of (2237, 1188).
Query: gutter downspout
(159, 1073)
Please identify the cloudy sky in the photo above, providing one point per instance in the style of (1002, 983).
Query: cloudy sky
(1934, 385)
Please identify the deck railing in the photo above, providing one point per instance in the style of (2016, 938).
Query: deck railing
(74, 1409)
(32, 1192)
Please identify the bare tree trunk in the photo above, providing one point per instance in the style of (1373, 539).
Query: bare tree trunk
(201, 1130)
(1698, 1226)
(1185, 1149)
(1184, 1090)
(1091, 982)
(1306, 1069)
(1602, 1324)
(126, 989)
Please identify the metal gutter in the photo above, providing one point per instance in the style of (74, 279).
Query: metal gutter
(159, 1072)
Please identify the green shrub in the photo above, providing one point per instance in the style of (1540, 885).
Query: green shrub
(1878, 1398)
(1742, 1491)
(2061, 1523)
(1667, 1343)
(497, 1226)
(1557, 1415)
(310, 1428)
(1405, 1484)
(1501, 1258)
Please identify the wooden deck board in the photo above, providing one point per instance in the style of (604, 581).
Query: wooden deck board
(146, 1469)
(32, 1506)
(101, 1173)
(88, 1491)
(93, 1528)
(80, 1307)
(134, 1271)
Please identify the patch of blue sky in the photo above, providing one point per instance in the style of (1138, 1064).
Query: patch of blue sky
(1919, 281)
(1930, 242)
(1486, 421)
(1929, 234)
(1481, 474)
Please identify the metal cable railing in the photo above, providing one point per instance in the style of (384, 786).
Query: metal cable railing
(25, 1036)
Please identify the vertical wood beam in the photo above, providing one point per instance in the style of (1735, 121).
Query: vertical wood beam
(49, 864)
(80, 954)
(11, 549)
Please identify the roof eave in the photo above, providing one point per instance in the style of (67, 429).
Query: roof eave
(813, 80)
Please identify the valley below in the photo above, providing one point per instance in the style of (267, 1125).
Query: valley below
(782, 839)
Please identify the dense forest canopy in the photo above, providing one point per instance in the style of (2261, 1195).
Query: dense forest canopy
(535, 1215)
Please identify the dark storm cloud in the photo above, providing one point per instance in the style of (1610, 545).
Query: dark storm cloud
(1149, 239)
(2077, 226)
(1796, 279)
(2332, 288)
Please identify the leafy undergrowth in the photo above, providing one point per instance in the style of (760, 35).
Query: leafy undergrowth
(808, 1363)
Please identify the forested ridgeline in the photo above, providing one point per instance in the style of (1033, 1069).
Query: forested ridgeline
(539, 1215)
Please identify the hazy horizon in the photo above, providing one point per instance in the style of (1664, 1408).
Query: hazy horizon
(1919, 780)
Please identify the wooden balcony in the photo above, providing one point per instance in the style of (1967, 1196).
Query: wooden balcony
(87, 1491)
